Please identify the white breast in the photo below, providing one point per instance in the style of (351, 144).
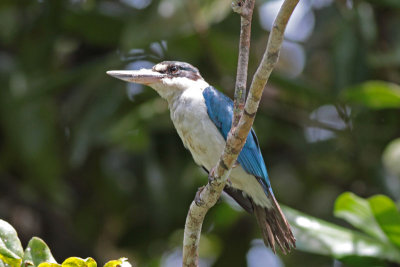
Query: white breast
(197, 131)
(205, 142)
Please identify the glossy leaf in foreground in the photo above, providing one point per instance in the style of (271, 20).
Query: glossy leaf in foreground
(37, 252)
(356, 211)
(10, 246)
(324, 238)
(388, 217)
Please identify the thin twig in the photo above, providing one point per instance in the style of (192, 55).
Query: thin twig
(208, 195)
(245, 10)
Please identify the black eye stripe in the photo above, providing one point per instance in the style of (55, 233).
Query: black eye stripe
(173, 68)
(176, 68)
(187, 69)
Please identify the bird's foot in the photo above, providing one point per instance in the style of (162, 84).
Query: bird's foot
(197, 199)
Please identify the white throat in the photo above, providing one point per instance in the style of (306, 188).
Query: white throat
(171, 88)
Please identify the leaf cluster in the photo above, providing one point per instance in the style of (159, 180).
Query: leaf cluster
(38, 254)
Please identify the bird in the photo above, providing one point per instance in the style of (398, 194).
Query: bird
(202, 116)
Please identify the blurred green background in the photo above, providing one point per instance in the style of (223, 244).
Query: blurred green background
(94, 166)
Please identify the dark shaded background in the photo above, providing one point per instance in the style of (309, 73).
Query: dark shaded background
(95, 167)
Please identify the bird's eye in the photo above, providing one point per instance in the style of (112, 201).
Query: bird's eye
(173, 69)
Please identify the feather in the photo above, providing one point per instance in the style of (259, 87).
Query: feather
(244, 201)
(220, 111)
(274, 227)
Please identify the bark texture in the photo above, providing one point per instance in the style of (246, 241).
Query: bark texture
(207, 196)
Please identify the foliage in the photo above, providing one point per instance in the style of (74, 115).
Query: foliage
(376, 216)
(37, 253)
(10, 247)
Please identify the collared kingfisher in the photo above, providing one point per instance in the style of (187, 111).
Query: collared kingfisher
(202, 117)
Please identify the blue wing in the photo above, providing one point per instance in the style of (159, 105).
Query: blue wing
(220, 110)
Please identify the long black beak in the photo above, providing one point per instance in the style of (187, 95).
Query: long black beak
(143, 76)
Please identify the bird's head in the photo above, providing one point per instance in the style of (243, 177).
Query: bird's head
(167, 78)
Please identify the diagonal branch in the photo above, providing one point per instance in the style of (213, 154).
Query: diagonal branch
(207, 196)
(245, 10)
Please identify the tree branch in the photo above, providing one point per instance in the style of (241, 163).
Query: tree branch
(207, 196)
(245, 10)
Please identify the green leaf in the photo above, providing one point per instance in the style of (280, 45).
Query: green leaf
(10, 247)
(8, 257)
(374, 94)
(324, 238)
(37, 252)
(122, 262)
(357, 212)
(79, 262)
(388, 217)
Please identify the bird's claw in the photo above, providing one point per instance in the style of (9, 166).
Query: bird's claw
(199, 202)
